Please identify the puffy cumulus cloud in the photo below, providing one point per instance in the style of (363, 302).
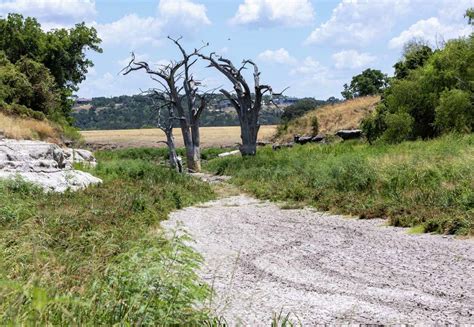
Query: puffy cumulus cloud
(112, 84)
(447, 24)
(280, 56)
(352, 59)
(180, 17)
(357, 22)
(314, 78)
(261, 13)
(183, 12)
(54, 12)
(132, 30)
(309, 66)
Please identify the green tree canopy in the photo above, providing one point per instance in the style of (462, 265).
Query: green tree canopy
(415, 54)
(62, 52)
(299, 108)
(369, 82)
(438, 97)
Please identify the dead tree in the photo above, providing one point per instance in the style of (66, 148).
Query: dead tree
(246, 103)
(165, 122)
(181, 87)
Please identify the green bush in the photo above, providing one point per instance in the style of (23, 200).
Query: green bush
(399, 127)
(455, 112)
(314, 126)
(434, 88)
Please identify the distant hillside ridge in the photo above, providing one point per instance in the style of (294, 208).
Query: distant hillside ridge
(137, 111)
(331, 118)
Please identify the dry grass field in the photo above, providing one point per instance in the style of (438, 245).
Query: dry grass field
(210, 137)
(331, 118)
(28, 129)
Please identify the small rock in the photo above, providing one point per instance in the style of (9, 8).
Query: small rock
(230, 153)
(349, 134)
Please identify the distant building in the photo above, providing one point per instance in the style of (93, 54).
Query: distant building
(223, 104)
(83, 100)
(285, 101)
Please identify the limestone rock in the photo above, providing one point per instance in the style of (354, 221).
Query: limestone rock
(45, 164)
(349, 134)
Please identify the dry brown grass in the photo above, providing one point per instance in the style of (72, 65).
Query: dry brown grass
(210, 136)
(331, 118)
(27, 129)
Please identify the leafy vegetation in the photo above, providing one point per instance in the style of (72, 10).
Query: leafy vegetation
(303, 106)
(369, 82)
(427, 183)
(40, 70)
(98, 256)
(432, 94)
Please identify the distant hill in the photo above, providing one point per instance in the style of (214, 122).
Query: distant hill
(129, 112)
(331, 117)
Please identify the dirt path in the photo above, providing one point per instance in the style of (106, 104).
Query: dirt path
(322, 268)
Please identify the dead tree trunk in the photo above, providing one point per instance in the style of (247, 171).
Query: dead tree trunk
(175, 161)
(165, 122)
(182, 92)
(246, 104)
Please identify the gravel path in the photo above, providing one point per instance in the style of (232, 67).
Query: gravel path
(323, 268)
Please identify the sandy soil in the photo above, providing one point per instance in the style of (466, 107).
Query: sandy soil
(210, 137)
(323, 268)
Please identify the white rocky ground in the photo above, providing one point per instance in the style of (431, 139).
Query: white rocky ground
(323, 268)
(45, 164)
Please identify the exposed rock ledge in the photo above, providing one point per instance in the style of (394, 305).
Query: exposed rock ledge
(45, 164)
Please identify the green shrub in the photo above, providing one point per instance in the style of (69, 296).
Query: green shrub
(314, 126)
(455, 112)
(399, 127)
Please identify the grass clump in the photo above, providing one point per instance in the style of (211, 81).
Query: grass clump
(422, 183)
(98, 256)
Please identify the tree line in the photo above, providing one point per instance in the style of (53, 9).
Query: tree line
(137, 111)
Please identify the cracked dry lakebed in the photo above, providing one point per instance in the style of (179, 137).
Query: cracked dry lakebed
(321, 268)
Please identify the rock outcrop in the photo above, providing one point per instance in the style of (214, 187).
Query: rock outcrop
(349, 134)
(45, 164)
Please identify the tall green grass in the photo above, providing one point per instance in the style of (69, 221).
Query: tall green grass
(427, 183)
(98, 256)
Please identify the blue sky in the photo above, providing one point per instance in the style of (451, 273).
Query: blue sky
(312, 46)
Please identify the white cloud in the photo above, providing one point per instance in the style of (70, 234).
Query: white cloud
(179, 17)
(358, 22)
(431, 30)
(352, 59)
(274, 12)
(183, 12)
(112, 84)
(131, 29)
(310, 67)
(315, 78)
(280, 56)
(53, 12)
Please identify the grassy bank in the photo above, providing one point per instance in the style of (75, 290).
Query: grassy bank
(427, 184)
(331, 118)
(98, 256)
